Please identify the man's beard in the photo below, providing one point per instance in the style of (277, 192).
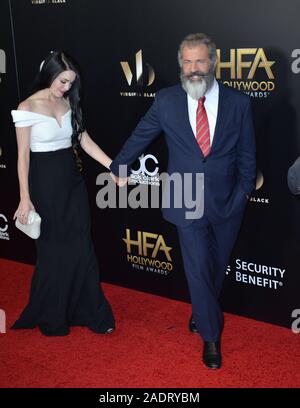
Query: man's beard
(197, 89)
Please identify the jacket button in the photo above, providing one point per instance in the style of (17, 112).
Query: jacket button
(204, 160)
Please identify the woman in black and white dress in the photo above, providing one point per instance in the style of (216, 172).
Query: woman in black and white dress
(65, 289)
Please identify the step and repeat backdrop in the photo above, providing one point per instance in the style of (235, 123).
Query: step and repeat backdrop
(127, 51)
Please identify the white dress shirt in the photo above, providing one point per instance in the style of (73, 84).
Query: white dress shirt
(211, 107)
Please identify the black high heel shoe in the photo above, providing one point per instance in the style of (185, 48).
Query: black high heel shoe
(110, 330)
(192, 325)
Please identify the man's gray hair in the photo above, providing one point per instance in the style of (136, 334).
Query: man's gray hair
(192, 40)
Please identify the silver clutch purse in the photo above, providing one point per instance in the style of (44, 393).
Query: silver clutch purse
(33, 226)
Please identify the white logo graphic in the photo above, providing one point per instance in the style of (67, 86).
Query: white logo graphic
(250, 273)
(42, 2)
(143, 175)
(3, 228)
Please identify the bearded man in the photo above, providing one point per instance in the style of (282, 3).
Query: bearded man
(209, 131)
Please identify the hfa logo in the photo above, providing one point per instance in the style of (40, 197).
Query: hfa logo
(148, 252)
(2, 63)
(147, 244)
(242, 66)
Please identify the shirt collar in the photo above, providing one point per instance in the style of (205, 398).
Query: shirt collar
(211, 93)
(212, 90)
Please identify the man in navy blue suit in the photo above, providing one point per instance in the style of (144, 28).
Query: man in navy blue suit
(209, 131)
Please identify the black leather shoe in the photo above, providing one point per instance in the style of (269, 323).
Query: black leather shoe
(212, 354)
(192, 325)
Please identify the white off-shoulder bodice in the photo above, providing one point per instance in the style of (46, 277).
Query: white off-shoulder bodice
(46, 133)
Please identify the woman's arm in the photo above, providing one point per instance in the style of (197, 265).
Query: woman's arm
(93, 150)
(23, 141)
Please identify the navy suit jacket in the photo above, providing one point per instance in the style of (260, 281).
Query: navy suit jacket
(229, 169)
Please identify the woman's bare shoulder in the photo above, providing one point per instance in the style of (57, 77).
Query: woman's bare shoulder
(25, 105)
(32, 102)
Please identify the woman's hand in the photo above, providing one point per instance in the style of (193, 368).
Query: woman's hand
(23, 209)
(119, 181)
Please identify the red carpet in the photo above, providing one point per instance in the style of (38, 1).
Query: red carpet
(150, 348)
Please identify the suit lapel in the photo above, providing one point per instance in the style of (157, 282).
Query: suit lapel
(223, 109)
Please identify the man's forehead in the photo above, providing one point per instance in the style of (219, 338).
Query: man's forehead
(193, 49)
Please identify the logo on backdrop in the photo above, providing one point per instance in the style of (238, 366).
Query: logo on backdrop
(2, 63)
(248, 70)
(259, 183)
(2, 165)
(147, 173)
(295, 67)
(253, 274)
(148, 252)
(4, 228)
(42, 2)
(137, 76)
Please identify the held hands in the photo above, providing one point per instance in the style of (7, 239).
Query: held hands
(23, 209)
(119, 181)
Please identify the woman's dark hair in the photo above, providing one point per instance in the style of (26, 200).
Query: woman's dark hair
(55, 64)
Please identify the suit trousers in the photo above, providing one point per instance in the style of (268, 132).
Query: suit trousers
(206, 250)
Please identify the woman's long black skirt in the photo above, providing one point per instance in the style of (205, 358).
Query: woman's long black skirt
(65, 289)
